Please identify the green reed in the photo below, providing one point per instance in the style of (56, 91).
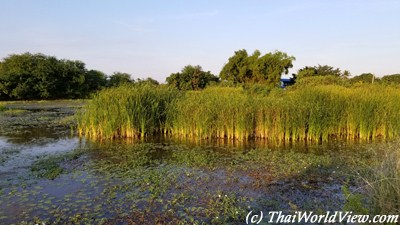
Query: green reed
(126, 111)
(2, 107)
(215, 112)
(382, 181)
(313, 113)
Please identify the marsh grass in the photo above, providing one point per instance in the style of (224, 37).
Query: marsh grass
(311, 113)
(2, 107)
(126, 111)
(383, 183)
(216, 112)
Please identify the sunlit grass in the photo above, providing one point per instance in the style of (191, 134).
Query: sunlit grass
(314, 113)
(383, 183)
(213, 113)
(126, 111)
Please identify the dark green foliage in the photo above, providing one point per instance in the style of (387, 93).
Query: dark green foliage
(242, 68)
(118, 79)
(269, 68)
(96, 80)
(37, 76)
(237, 68)
(391, 79)
(71, 80)
(191, 78)
(365, 78)
(2, 107)
(28, 76)
(319, 70)
(147, 81)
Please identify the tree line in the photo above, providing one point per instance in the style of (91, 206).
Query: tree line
(37, 76)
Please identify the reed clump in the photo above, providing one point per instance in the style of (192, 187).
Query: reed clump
(216, 112)
(310, 113)
(127, 111)
(2, 107)
(383, 183)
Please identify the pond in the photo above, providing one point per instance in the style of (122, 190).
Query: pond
(49, 175)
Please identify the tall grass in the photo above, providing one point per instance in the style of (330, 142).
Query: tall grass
(383, 183)
(126, 111)
(2, 107)
(314, 113)
(215, 112)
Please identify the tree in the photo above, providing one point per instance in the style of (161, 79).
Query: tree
(320, 70)
(118, 79)
(94, 80)
(235, 68)
(391, 79)
(28, 76)
(147, 81)
(37, 76)
(269, 68)
(71, 80)
(242, 68)
(364, 78)
(191, 78)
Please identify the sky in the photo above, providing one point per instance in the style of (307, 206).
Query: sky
(154, 38)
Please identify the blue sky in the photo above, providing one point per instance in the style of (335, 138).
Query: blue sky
(157, 38)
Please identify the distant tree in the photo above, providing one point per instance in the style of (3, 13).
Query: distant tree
(238, 69)
(118, 79)
(321, 70)
(269, 68)
(306, 72)
(256, 68)
(147, 81)
(191, 78)
(365, 78)
(71, 82)
(29, 76)
(95, 79)
(391, 79)
(37, 76)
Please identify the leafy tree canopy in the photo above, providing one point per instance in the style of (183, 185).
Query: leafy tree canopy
(191, 78)
(37, 76)
(256, 68)
(96, 80)
(391, 79)
(365, 78)
(147, 81)
(119, 78)
(321, 70)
